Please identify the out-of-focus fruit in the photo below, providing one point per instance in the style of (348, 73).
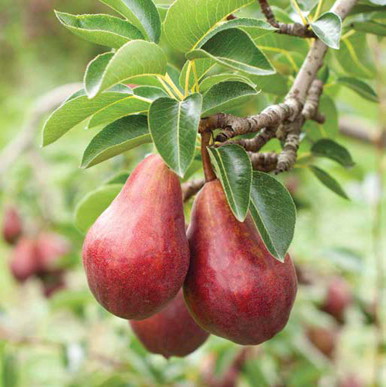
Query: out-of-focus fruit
(24, 262)
(12, 225)
(338, 298)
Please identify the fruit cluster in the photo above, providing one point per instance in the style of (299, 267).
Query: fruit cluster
(35, 256)
(137, 257)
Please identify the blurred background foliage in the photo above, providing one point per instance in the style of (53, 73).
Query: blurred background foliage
(69, 340)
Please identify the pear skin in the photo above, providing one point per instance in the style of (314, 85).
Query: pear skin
(136, 255)
(234, 288)
(171, 332)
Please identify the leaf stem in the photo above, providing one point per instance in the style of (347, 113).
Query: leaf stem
(299, 12)
(165, 86)
(207, 165)
(170, 82)
(318, 8)
(187, 77)
(195, 76)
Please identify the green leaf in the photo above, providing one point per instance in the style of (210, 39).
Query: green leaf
(187, 21)
(118, 178)
(242, 56)
(370, 27)
(93, 204)
(327, 28)
(328, 181)
(226, 95)
(332, 150)
(272, 84)
(360, 87)
(142, 13)
(137, 57)
(173, 127)
(354, 56)
(306, 5)
(105, 30)
(202, 66)
(234, 170)
(77, 109)
(137, 103)
(116, 138)
(273, 212)
(328, 108)
(212, 80)
(378, 2)
(254, 27)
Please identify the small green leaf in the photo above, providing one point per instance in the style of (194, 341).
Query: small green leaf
(137, 103)
(328, 181)
(137, 57)
(142, 13)
(173, 127)
(243, 56)
(273, 212)
(78, 108)
(187, 21)
(378, 2)
(234, 170)
(116, 138)
(370, 27)
(93, 204)
(360, 87)
(272, 84)
(328, 108)
(306, 5)
(105, 30)
(226, 95)
(332, 150)
(328, 28)
(212, 80)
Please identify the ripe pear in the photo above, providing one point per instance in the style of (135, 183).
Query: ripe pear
(170, 332)
(136, 255)
(234, 288)
(51, 248)
(324, 339)
(338, 298)
(12, 225)
(24, 261)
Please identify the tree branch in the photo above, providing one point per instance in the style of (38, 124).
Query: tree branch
(190, 188)
(301, 100)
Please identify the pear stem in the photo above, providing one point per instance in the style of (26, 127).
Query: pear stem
(208, 169)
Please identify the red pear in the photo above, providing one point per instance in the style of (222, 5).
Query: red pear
(51, 248)
(324, 339)
(136, 254)
(338, 298)
(12, 226)
(52, 281)
(24, 261)
(234, 288)
(171, 332)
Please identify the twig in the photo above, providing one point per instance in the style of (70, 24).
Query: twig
(26, 136)
(295, 29)
(264, 162)
(256, 143)
(311, 106)
(190, 188)
(358, 131)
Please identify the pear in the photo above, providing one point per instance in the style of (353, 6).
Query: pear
(12, 225)
(338, 298)
(171, 332)
(234, 288)
(24, 261)
(136, 254)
